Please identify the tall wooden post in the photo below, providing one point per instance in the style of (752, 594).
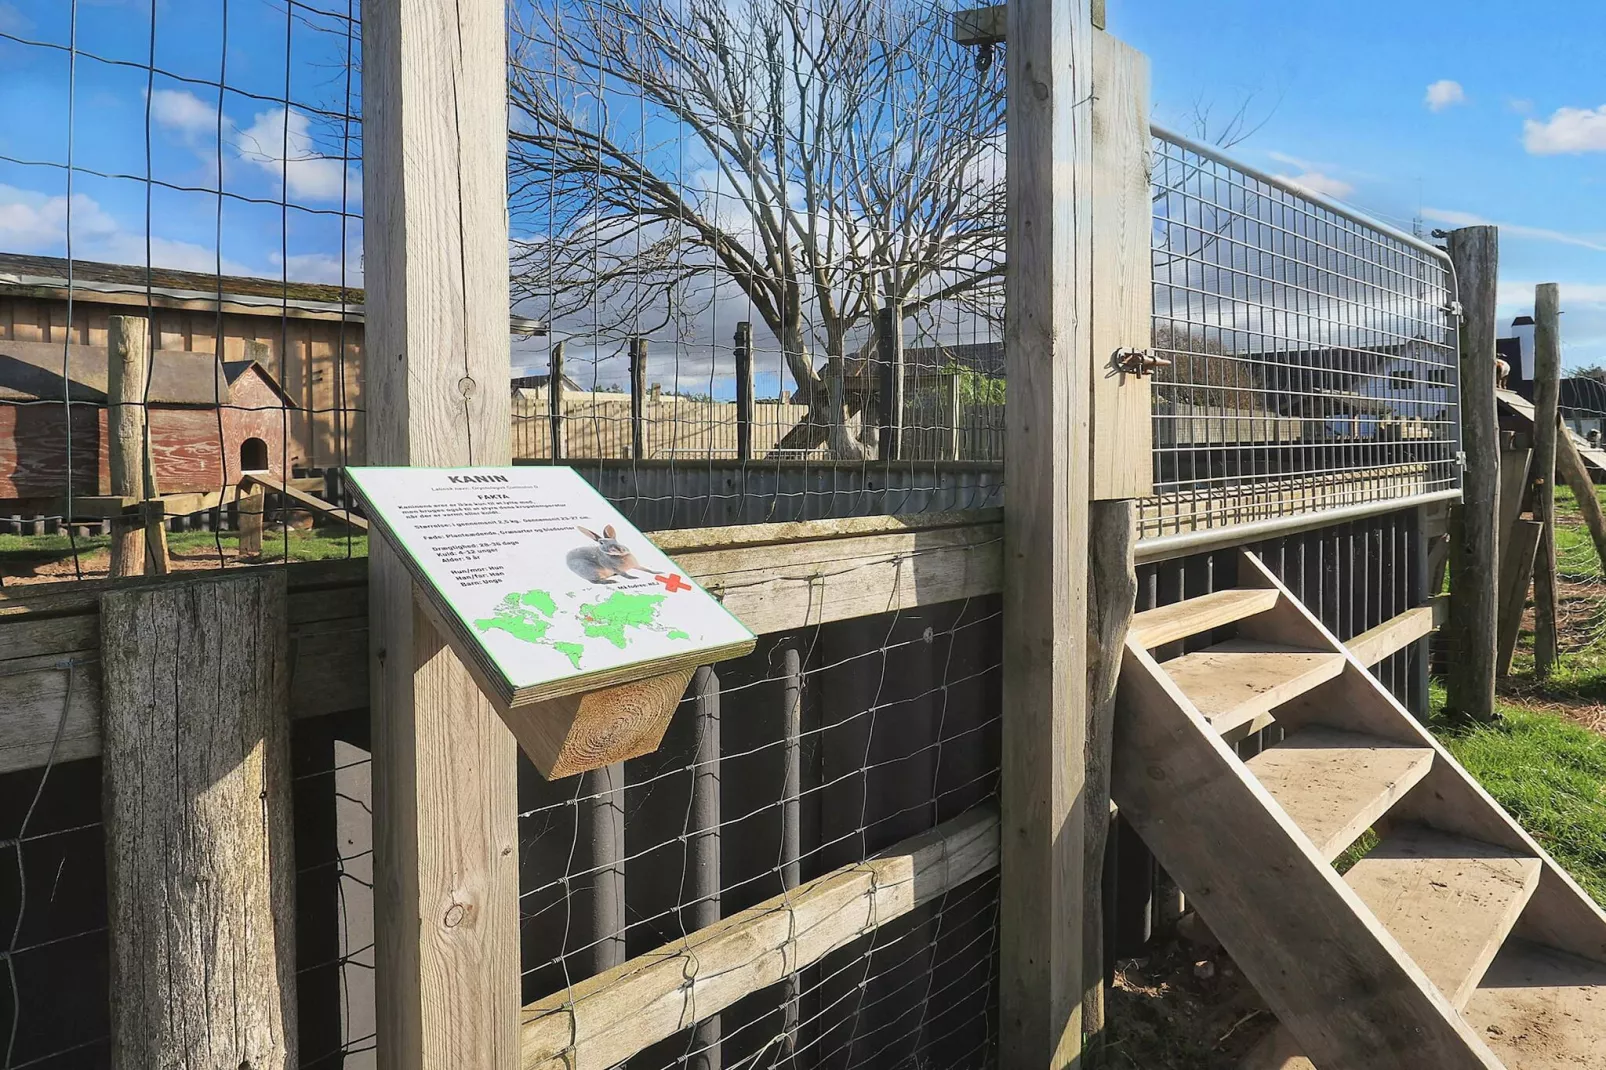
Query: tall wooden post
(200, 867)
(743, 352)
(445, 790)
(1048, 290)
(889, 353)
(1474, 540)
(638, 395)
(554, 400)
(1542, 469)
(127, 358)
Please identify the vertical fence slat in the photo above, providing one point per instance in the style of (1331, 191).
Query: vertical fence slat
(743, 353)
(1542, 469)
(889, 347)
(554, 387)
(198, 838)
(445, 767)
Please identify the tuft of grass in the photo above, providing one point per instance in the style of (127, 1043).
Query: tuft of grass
(1549, 773)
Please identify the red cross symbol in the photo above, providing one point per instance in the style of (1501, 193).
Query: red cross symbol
(673, 583)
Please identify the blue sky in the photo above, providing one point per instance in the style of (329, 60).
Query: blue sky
(1464, 112)
(1451, 112)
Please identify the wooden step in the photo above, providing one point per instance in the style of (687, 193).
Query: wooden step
(1180, 620)
(1448, 900)
(1236, 681)
(1541, 1009)
(1336, 784)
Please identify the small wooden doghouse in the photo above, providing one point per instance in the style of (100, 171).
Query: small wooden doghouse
(210, 421)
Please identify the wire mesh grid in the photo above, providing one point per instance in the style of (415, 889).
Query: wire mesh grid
(760, 238)
(193, 166)
(1312, 355)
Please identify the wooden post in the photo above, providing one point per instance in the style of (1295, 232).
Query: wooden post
(743, 351)
(951, 417)
(1516, 568)
(554, 398)
(127, 356)
(251, 510)
(638, 394)
(1474, 541)
(444, 765)
(889, 352)
(1048, 290)
(200, 868)
(1542, 469)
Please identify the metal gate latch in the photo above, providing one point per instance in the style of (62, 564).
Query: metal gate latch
(1139, 362)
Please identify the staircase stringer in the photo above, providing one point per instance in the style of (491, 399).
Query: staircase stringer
(1304, 939)
(1560, 913)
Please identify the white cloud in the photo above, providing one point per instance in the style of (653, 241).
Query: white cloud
(1443, 94)
(185, 112)
(12, 20)
(1516, 230)
(1570, 130)
(1317, 182)
(323, 267)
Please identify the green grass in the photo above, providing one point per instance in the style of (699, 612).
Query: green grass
(315, 545)
(1549, 773)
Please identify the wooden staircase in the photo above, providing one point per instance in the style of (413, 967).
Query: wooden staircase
(1454, 942)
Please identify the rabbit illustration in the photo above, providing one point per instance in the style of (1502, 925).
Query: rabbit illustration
(601, 562)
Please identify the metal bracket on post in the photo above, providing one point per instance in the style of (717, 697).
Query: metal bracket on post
(1139, 362)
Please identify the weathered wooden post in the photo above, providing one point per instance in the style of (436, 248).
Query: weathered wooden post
(1474, 541)
(638, 395)
(743, 352)
(893, 380)
(444, 766)
(554, 400)
(250, 511)
(951, 416)
(1049, 295)
(1542, 469)
(200, 866)
(127, 357)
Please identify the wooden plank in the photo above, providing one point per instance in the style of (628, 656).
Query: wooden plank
(1513, 484)
(1195, 616)
(302, 498)
(445, 783)
(1542, 1009)
(1474, 549)
(743, 354)
(49, 709)
(1122, 431)
(1396, 633)
(1284, 909)
(1240, 679)
(1335, 784)
(250, 511)
(893, 379)
(1047, 351)
(126, 362)
(604, 1020)
(1516, 568)
(1448, 900)
(200, 869)
(1547, 398)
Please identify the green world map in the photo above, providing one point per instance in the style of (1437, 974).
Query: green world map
(533, 617)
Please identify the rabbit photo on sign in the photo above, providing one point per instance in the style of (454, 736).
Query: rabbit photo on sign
(604, 558)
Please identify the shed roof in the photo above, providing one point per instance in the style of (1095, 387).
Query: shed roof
(32, 371)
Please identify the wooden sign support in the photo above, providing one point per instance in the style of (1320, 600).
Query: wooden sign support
(576, 734)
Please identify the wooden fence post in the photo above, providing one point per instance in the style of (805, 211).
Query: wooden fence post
(251, 509)
(200, 866)
(445, 789)
(127, 357)
(743, 351)
(951, 416)
(1049, 295)
(1542, 469)
(894, 381)
(554, 398)
(638, 394)
(1474, 541)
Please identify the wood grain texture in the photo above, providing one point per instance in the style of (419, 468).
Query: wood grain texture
(577, 733)
(1396, 633)
(445, 785)
(1541, 1009)
(1542, 472)
(604, 1020)
(1275, 903)
(127, 359)
(1195, 616)
(1474, 549)
(1123, 296)
(1047, 345)
(1113, 589)
(200, 864)
(1240, 679)
(1516, 569)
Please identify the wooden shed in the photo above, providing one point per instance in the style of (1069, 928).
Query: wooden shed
(209, 420)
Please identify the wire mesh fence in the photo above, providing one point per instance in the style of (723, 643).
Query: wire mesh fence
(1312, 354)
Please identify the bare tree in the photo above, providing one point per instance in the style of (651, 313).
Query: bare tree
(821, 160)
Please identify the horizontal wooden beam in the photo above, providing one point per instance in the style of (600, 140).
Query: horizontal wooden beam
(1397, 633)
(606, 1019)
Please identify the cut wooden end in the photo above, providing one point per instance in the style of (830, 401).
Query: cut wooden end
(569, 735)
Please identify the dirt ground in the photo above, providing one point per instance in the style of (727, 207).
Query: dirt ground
(1184, 1007)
